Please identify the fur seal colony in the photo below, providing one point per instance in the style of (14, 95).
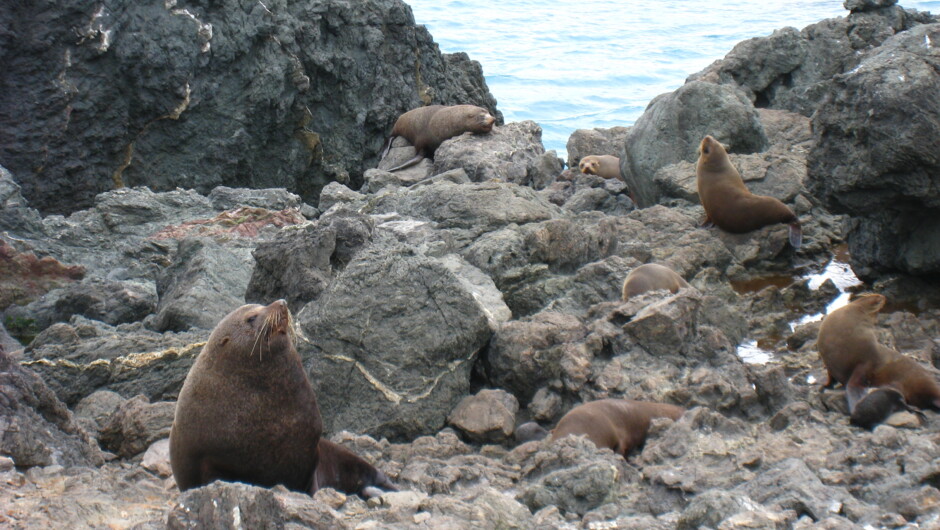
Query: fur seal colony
(727, 201)
(426, 128)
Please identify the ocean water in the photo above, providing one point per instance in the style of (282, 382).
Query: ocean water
(580, 64)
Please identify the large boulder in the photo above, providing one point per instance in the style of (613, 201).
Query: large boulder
(271, 94)
(793, 70)
(389, 346)
(673, 125)
(510, 153)
(36, 429)
(875, 155)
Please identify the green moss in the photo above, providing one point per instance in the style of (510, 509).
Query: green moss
(21, 328)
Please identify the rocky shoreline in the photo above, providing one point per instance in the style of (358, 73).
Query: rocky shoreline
(441, 306)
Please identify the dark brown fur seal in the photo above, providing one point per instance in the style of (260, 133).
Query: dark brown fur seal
(727, 201)
(247, 411)
(618, 424)
(426, 128)
(651, 277)
(605, 166)
(877, 405)
(345, 471)
(849, 348)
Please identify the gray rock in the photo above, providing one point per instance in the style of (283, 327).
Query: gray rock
(586, 142)
(226, 505)
(135, 425)
(226, 198)
(712, 507)
(791, 485)
(673, 125)
(487, 416)
(526, 354)
(157, 458)
(392, 357)
(856, 6)
(299, 263)
(883, 169)
(94, 411)
(335, 193)
(37, 429)
(258, 98)
(78, 358)
(480, 207)
(510, 153)
(205, 282)
(110, 301)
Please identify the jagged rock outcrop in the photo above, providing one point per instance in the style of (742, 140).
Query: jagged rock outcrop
(199, 94)
(875, 155)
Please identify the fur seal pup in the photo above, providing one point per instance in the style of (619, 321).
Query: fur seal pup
(529, 431)
(605, 166)
(727, 201)
(618, 424)
(345, 471)
(651, 277)
(849, 348)
(247, 411)
(426, 128)
(877, 405)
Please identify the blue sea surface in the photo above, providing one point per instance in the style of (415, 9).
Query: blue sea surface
(580, 64)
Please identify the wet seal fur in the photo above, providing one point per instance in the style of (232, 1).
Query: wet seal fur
(617, 424)
(852, 355)
(605, 166)
(247, 411)
(426, 128)
(651, 277)
(877, 405)
(727, 201)
(345, 471)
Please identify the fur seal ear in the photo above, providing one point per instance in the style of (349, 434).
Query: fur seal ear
(223, 341)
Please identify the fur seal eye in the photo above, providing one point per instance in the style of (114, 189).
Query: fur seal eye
(705, 149)
(251, 319)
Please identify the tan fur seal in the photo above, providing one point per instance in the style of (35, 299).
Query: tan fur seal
(849, 348)
(618, 424)
(605, 166)
(426, 128)
(727, 201)
(247, 411)
(651, 277)
(345, 471)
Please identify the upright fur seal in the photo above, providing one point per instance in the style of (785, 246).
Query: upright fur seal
(426, 128)
(247, 411)
(849, 349)
(618, 424)
(651, 277)
(345, 471)
(727, 201)
(601, 165)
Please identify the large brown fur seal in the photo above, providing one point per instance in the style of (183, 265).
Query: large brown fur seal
(849, 348)
(426, 128)
(247, 411)
(727, 201)
(345, 471)
(651, 277)
(618, 424)
(605, 166)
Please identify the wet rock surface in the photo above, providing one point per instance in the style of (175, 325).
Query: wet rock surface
(440, 307)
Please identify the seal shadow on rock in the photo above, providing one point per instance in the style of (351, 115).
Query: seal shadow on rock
(849, 348)
(727, 201)
(248, 413)
(426, 128)
(617, 424)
